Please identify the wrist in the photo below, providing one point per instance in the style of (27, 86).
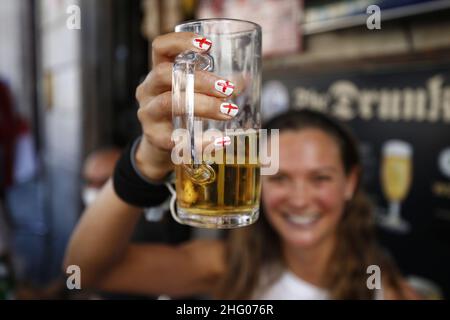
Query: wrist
(135, 188)
(153, 163)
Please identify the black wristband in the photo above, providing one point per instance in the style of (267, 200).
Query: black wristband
(132, 187)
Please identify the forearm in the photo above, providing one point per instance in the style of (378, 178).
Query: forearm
(102, 235)
(154, 270)
(191, 268)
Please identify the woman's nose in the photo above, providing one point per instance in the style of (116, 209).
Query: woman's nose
(300, 194)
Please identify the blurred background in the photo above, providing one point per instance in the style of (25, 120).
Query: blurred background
(69, 70)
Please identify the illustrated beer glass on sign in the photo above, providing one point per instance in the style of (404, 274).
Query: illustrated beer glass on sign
(217, 164)
(396, 180)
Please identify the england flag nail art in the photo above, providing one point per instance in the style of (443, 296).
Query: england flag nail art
(229, 109)
(202, 43)
(224, 86)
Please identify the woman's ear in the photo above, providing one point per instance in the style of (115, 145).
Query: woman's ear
(352, 182)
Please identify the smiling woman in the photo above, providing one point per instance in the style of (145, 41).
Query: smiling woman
(314, 238)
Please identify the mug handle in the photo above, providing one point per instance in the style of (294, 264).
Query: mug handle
(173, 210)
(183, 79)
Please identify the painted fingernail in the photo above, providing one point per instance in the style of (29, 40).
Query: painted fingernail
(229, 109)
(224, 86)
(222, 142)
(202, 43)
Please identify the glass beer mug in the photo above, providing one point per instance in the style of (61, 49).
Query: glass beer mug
(218, 180)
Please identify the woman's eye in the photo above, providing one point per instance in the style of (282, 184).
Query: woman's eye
(322, 178)
(277, 178)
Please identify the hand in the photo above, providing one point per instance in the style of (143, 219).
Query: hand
(155, 102)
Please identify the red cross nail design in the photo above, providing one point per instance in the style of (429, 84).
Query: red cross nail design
(224, 86)
(222, 142)
(202, 43)
(229, 109)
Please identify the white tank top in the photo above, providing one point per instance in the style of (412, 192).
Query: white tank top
(291, 287)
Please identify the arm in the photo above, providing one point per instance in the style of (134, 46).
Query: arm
(102, 235)
(188, 269)
(100, 247)
(100, 243)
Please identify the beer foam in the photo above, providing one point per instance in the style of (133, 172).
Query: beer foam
(397, 148)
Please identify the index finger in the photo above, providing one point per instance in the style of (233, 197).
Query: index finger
(167, 46)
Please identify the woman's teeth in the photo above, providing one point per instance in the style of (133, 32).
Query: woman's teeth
(304, 219)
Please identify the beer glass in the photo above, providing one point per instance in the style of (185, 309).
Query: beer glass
(396, 178)
(218, 180)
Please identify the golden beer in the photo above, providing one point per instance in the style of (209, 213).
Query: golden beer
(235, 189)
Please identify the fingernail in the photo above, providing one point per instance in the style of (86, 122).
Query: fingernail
(229, 109)
(224, 86)
(202, 43)
(222, 142)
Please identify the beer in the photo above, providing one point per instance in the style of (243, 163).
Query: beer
(210, 193)
(235, 189)
(396, 177)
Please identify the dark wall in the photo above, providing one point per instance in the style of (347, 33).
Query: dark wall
(114, 55)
